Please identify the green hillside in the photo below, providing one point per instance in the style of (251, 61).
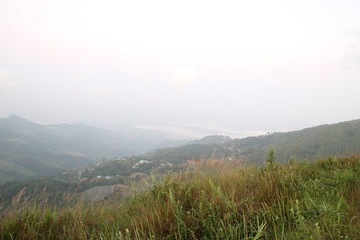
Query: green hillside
(309, 144)
(317, 200)
(28, 149)
(321, 141)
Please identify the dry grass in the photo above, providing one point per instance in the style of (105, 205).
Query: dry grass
(216, 200)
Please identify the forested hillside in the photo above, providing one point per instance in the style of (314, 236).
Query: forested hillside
(321, 141)
(29, 149)
(310, 143)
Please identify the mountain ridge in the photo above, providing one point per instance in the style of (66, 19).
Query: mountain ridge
(29, 149)
(328, 140)
(341, 138)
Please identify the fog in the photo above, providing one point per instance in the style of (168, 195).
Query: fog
(189, 68)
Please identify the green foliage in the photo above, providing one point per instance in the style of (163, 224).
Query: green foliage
(297, 200)
(270, 159)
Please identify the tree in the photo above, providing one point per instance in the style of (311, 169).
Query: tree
(270, 159)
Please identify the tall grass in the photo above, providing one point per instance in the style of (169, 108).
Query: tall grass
(217, 200)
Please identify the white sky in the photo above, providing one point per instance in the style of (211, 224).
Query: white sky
(237, 65)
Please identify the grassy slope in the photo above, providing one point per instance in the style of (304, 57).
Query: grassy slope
(297, 200)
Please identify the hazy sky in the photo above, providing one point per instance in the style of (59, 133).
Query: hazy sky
(231, 66)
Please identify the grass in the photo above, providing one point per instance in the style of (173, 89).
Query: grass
(297, 200)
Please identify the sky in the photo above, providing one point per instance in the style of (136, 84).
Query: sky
(228, 67)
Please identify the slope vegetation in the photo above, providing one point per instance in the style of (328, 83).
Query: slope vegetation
(297, 200)
(311, 143)
(29, 149)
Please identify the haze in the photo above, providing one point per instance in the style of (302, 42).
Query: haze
(230, 67)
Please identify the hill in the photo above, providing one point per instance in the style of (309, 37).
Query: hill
(213, 139)
(321, 141)
(171, 144)
(310, 143)
(317, 142)
(29, 149)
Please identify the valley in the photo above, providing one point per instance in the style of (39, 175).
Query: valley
(120, 175)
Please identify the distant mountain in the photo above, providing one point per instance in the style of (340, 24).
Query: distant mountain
(172, 143)
(30, 149)
(219, 139)
(321, 141)
(214, 139)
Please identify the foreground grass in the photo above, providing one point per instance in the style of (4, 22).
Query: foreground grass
(297, 200)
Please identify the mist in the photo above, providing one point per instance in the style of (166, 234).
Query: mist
(186, 68)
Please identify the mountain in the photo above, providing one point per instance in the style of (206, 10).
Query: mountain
(315, 142)
(172, 143)
(310, 143)
(213, 139)
(30, 149)
(107, 176)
